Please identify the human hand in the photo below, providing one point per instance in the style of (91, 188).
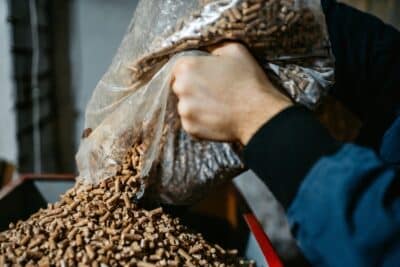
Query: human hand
(225, 96)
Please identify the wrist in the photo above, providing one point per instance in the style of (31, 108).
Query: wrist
(262, 109)
(294, 131)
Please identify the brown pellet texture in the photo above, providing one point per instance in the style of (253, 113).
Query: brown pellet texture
(86, 133)
(102, 226)
(274, 30)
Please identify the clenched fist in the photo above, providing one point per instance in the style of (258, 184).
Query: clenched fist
(225, 96)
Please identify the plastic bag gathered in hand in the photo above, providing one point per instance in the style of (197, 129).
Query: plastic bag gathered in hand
(133, 102)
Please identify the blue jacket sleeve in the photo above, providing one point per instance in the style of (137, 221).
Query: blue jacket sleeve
(343, 200)
(347, 211)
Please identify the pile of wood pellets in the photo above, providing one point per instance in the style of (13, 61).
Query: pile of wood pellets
(104, 226)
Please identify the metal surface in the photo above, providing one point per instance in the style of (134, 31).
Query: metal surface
(259, 246)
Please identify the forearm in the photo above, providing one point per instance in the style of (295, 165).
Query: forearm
(284, 149)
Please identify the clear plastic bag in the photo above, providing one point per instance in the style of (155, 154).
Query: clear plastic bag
(133, 101)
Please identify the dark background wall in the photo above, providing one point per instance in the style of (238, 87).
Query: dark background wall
(77, 42)
(388, 10)
(45, 124)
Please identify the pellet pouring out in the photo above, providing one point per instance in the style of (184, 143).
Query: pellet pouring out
(136, 147)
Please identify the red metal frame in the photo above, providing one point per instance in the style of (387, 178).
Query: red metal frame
(263, 241)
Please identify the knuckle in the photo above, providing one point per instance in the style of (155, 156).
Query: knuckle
(231, 49)
(188, 126)
(184, 65)
(236, 47)
(181, 86)
(178, 87)
(184, 109)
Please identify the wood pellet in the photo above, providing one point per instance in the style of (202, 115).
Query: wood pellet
(272, 29)
(102, 226)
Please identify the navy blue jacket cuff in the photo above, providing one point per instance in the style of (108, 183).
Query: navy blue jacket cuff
(284, 149)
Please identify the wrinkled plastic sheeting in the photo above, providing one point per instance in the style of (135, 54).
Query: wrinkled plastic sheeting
(177, 168)
(186, 168)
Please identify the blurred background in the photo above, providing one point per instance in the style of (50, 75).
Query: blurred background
(52, 54)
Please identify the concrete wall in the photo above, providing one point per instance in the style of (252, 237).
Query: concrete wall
(97, 28)
(8, 145)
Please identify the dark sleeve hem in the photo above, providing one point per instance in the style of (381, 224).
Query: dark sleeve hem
(285, 148)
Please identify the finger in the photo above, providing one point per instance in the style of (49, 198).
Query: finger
(233, 49)
(198, 131)
(187, 108)
(190, 127)
(212, 48)
(195, 130)
(182, 75)
(184, 64)
(180, 86)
